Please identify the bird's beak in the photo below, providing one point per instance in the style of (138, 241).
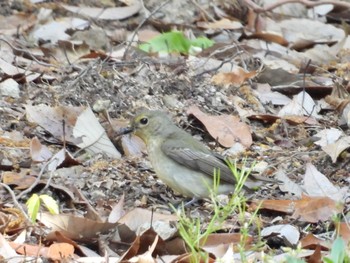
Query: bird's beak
(125, 130)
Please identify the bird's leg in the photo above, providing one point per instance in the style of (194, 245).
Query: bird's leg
(192, 201)
(187, 203)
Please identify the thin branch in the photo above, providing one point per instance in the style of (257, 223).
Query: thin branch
(15, 201)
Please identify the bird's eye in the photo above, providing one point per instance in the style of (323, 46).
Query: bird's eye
(144, 121)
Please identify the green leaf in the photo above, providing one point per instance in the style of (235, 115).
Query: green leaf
(50, 204)
(168, 42)
(174, 42)
(337, 252)
(33, 205)
(290, 259)
(202, 42)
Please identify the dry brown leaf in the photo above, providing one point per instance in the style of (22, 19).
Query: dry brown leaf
(60, 251)
(227, 129)
(29, 250)
(310, 242)
(308, 209)
(22, 180)
(74, 227)
(270, 37)
(223, 23)
(39, 152)
(343, 230)
(316, 257)
(147, 242)
(314, 209)
(236, 77)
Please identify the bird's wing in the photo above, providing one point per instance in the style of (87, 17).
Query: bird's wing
(203, 161)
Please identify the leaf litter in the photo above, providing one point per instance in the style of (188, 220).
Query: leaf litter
(281, 91)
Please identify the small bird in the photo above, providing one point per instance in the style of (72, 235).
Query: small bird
(183, 163)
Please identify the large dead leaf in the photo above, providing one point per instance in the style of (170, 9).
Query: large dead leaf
(139, 219)
(314, 209)
(24, 74)
(302, 104)
(54, 31)
(316, 184)
(327, 136)
(287, 233)
(74, 227)
(311, 241)
(93, 137)
(236, 77)
(59, 121)
(55, 252)
(308, 209)
(112, 13)
(335, 149)
(227, 129)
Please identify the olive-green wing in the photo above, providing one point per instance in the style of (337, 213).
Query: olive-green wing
(203, 161)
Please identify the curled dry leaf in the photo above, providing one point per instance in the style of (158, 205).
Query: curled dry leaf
(227, 129)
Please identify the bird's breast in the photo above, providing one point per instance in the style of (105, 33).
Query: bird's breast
(180, 178)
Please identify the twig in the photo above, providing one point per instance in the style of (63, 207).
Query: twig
(37, 180)
(140, 25)
(15, 200)
(203, 10)
(227, 60)
(28, 53)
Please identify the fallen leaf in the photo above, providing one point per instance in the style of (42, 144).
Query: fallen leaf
(227, 129)
(39, 152)
(308, 209)
(335, 149)
(93, 137)
(288, 233)
(288, 185)
(310, 241)
(236, 77)
(316, 184)
(314, 209)
(112, 13)
(328, 136)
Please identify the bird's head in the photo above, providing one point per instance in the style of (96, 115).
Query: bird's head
(149, 124)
